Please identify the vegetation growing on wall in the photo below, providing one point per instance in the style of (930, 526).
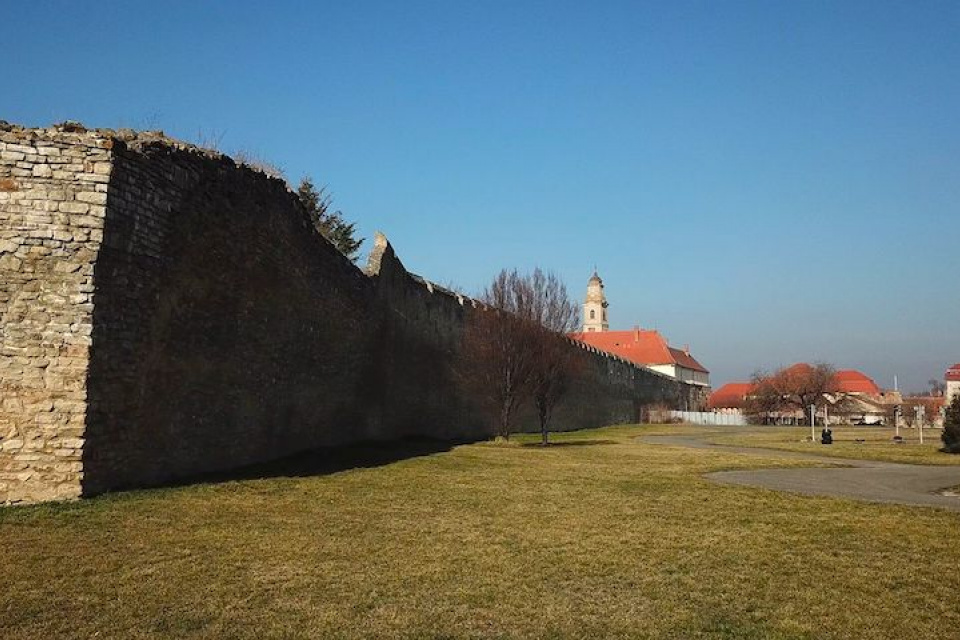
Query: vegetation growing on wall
(327, 220)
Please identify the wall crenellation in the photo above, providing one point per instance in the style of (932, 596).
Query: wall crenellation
(166, 312)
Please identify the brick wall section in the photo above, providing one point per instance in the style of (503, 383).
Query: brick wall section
(166, 312)
(52, 194)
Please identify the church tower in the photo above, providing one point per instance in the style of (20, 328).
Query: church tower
(595, 306)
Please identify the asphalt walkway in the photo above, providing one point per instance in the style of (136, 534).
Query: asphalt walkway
(867, 480)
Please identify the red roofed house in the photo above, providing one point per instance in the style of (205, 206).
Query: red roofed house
(858, 399)
(730, 397)
(646, 348)
(852, 381)
(952, 378)
(854, 397)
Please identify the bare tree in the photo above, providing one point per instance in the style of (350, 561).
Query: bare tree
(937, 387)
(803, 385)
(792, 389)
(764, 402)
(556, 362)
(516, 348)
(499, 348)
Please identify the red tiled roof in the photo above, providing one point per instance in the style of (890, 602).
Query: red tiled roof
(851, 381)
(953, 373)
(730, 396)
(844, 381)
(684, 359)
(642, 346)
(801, 368)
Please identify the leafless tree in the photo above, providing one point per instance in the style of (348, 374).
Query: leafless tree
(555, 364)
(516, 348)
(792, 389)
(937, 387)
(499, 348)
(804, 385)
(763, 402)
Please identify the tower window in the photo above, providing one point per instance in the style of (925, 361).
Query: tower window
(593, 314)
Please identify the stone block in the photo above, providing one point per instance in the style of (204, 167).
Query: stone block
(12, 445)
(73, 207)
(10, 263)
(64, 266)
(92, 197)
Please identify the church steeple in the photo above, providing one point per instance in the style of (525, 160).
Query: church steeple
(595, 306)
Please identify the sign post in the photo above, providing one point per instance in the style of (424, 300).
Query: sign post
(813, 423)
(920, 421)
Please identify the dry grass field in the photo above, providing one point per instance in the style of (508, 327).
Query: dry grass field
(864, 443)
(598, 536)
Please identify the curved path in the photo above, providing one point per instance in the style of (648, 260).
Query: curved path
(868, 480)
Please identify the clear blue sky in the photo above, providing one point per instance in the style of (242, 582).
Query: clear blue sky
(766, 181)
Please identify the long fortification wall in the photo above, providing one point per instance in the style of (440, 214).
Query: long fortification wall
(166, 312)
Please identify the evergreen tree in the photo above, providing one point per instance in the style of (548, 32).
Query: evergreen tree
(951, 427)
(327, 221)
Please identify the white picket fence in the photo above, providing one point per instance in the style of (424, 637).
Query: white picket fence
(710, 418)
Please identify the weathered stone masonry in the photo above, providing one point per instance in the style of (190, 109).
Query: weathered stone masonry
(53, 191)
(165, 312)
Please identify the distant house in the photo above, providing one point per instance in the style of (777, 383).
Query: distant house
(853, 397)
(952, 380)
(730, 398)
(931, 410)
(644, 347)
(649, 349)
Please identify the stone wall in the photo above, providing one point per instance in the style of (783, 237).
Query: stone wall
(166, 312)
(53, 187)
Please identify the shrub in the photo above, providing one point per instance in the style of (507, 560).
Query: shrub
(951, 427)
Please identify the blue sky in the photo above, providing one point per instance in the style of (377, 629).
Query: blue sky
(766, 181)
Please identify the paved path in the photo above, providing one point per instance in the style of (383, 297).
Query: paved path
(868, 480)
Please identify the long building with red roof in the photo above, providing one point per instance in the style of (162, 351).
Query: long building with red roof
(645, 347)
(852, 394)
(732, 395)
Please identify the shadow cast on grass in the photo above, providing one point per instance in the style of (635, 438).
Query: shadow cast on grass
(314, 463)
(325, 461)
(569, 443)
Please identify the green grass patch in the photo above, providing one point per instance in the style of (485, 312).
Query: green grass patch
(864, 443)
(598, 536)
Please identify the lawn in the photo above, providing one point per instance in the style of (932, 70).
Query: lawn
(600, 536)
(865, 443)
